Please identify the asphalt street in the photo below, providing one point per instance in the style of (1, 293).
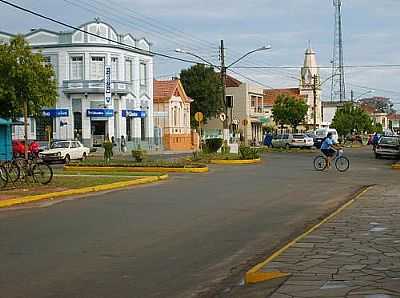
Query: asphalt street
(188, 236)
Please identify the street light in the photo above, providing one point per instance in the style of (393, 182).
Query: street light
(358, 97)
(223, 70)
(181, 51)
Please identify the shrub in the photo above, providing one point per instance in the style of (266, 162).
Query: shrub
(213, 145)
(246, 152)
(225, 148)
(138, 154)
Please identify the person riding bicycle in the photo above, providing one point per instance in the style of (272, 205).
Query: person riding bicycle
(329, 148)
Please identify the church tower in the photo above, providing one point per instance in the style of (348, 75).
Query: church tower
(310, 70)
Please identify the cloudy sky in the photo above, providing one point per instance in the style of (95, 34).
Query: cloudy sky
(371, 34)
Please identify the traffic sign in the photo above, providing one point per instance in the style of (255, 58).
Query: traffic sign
(199, 116)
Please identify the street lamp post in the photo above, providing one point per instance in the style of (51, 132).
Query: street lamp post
(365, 93)
(223, 68)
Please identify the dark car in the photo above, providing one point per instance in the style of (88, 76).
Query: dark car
(388, 147)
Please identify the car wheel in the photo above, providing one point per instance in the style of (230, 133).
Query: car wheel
(84, 156)
(67, 159)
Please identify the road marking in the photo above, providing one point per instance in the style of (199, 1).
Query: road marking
(254, 275)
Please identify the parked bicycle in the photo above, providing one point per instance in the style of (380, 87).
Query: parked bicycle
(24, 170)
(342, 163)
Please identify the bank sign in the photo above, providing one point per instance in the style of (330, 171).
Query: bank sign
(133, 114)
(107, 86)
(100, 112)
(55, 112)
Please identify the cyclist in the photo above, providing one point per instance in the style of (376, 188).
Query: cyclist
(328, 148)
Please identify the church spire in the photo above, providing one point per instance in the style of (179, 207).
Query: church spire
(310, 67)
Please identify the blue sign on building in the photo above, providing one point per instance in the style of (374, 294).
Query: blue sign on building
(55, 112)
(100, 112)
(133, 114)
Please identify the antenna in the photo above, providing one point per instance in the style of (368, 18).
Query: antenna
(338, 88)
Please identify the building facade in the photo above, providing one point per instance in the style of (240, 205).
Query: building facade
(84, 61)
(247, 109)
(172, 115)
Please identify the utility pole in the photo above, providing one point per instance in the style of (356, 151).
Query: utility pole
(352, 96)
(223, 82)
(315, 81)
(26, 128)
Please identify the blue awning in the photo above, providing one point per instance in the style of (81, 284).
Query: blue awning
(100, 113)
(55, 112)
(133, 113)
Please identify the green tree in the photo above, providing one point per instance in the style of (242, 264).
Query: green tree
(203, 84)
(288, 110)
(350, 119)
(24, 77)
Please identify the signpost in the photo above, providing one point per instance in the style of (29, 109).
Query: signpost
(245, 122)
(107, 86)
(199, 118)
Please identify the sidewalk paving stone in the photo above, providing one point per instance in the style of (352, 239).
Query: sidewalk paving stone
(356, 254)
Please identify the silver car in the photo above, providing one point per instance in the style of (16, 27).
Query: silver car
(388, 146)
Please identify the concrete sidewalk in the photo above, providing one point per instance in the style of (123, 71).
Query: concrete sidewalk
(356, 254)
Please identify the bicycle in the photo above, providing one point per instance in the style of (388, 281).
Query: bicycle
(342, 163)
(40, 172)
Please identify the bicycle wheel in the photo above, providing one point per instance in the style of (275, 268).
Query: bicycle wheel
(42, 173)
(3, 177)
(342, 164)
(13, 171)
(320, 163)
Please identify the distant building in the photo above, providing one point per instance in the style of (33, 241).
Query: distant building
(394, 122)
(329, 109)
(248, 107)
(377, 116)
(172, 115)
(304, 92)
(81, 111)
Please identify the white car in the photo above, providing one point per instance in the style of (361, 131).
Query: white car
(301, 141)
(65, 151)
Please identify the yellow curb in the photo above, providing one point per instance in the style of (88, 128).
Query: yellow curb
(396, 166)
(137, 169)
(254, 275)
(235, 162)
(79, 191)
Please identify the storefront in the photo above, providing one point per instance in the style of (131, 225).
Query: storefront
(48, 123)
(99, 122)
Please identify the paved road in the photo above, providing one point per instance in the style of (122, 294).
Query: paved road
(174, 239)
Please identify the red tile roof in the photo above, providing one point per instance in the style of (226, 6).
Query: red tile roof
(394, 116)
(271, 95)
(368, 109)
(164, 90)
(232, 82)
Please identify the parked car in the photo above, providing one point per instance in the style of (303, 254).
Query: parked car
(301, 141)
(388, 146)
(65, 151)
(322, 133)
(292, 140)
(280, 141)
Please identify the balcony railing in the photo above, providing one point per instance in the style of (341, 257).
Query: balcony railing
(177, 130)
(95, 86)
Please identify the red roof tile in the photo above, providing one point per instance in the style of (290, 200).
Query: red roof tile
(232, 82)
(164, 90)
(271, 95)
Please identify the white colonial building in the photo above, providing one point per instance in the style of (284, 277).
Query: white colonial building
(79, 60)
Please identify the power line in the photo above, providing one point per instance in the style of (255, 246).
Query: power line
(96, 35)
(125, 19)
(320, 67)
